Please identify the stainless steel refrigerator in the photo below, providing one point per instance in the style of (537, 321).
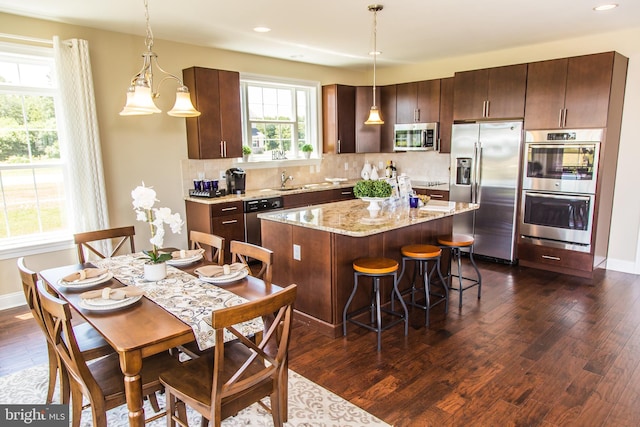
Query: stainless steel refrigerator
(485, 165)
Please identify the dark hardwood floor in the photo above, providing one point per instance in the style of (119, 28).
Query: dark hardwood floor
(539, 349)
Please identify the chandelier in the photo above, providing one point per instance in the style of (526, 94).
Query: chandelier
(374, 112)
(141, 92)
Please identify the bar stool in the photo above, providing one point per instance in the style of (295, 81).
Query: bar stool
(455, 242)
(422, 255)
(375, 268)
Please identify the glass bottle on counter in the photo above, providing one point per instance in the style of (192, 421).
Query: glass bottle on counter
(387, 171)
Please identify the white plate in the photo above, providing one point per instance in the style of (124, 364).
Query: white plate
(87, 283)
(226, 279)
(99, 304)
(185, 261)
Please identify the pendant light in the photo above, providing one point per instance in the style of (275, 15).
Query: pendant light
(141, 93)
(374, 113)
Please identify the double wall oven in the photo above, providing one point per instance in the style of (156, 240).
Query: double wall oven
(560, 172)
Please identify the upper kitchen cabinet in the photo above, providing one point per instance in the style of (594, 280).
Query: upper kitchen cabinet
(339, 119)
(388, 112)
(418, 102)
(367, 136)
(573, 92)
(490, 93)
(217, 132)
(446, 114)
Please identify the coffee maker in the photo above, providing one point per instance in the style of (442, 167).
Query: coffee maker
(235, 180)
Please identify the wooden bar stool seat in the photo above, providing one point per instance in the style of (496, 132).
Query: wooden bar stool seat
(422, 255)
(456, 242)
(375, 268)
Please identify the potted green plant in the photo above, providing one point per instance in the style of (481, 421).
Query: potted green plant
(306, 150)
(246, 151)
(372, 191)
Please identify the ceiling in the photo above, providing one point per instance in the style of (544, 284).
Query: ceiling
(339, 32)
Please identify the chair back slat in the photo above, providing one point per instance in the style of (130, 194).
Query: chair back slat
(212, 244)
(88, 241)
(246, 252)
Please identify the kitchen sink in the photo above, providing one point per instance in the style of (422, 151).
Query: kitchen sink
(288, 188)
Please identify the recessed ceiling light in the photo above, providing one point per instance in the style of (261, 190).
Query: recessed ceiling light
(262, 29)
(605, 7)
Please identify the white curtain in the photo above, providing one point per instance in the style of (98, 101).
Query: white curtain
(78, 128)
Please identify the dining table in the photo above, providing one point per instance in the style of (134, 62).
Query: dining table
(144, 328)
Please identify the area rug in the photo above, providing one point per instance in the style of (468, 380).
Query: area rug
(309, 404)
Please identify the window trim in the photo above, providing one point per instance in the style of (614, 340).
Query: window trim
(247, 78)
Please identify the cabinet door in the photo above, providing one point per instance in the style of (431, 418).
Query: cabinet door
(216, 94)
(367, 136)
(388, 110)
(230, 114)
(506, 92)
(446, 114)
(406, 102)
(469, 94)
(428, 101)
(338, 119)
(546, 83)
(588, 88)
(231, 227)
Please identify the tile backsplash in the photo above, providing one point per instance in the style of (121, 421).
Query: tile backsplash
(420, 166)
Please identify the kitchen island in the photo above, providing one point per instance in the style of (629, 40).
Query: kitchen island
(314, 247)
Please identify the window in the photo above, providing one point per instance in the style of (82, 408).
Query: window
(279, 117)
(32, 192)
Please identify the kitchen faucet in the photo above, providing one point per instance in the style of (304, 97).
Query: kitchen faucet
(284, 178)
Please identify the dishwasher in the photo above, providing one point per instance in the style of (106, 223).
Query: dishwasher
(251, 221)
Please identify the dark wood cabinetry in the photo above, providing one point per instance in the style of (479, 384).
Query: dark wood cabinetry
(418, 102)
(217, 132)
(446, 114)
(434, 194)
(223, 219)
(339, 115)
(317, 197)
(570, 92)
(388, 110)
(490, 93)
(367, 136)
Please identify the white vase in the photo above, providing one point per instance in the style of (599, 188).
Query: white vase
(374, 173)
(155, 272)
(366, 171)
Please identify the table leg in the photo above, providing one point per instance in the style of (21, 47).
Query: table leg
(131, 365)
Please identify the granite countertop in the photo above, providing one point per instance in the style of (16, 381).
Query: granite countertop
(270, 192)
(351, 217)
(306, 188)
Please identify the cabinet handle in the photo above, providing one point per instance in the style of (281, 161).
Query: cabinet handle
(338, 146)
(345, 193)
(564, 119)
(560, 116)
(436, 196)
(553, 258)
(221, 148)
(231, 221)
(224, 144)
(233, 208)
(416, 114)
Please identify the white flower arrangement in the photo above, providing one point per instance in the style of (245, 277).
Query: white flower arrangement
(143, 200)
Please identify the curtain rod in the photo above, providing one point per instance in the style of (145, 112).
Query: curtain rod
(26, 39)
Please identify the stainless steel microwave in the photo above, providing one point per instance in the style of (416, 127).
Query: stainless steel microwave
(416, 137)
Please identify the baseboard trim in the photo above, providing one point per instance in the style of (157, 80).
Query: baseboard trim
(623, 266)
(15, 299)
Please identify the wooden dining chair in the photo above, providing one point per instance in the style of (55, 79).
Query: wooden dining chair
(100, 382)
(247, 252)
(90, 342)
(240, 373)
(88, 240)
(211, 243)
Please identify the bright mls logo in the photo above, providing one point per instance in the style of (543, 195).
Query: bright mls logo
(34, 415)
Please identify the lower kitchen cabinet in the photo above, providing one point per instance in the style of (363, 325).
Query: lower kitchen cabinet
(316, 197)
(556, 259)
(222, 219)
(434, 194)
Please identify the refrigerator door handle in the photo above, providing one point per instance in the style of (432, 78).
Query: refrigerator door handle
(478, 182)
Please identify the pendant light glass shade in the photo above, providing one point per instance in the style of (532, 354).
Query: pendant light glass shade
(141, 93)
(183, 106)
(374, 113)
